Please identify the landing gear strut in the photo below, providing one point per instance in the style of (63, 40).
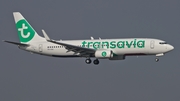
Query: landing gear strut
(96, 61)
(88, 61)
(156, 59)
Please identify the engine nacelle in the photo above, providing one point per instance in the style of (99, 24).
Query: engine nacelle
(103, 54)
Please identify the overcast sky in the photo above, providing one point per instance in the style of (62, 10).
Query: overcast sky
(31, 77)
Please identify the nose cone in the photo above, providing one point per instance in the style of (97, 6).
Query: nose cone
(170, 47)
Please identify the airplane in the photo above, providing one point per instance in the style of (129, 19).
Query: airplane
(112, 49)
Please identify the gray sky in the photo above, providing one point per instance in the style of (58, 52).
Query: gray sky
(30, 77)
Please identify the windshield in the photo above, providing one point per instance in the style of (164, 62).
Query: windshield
(162, 43)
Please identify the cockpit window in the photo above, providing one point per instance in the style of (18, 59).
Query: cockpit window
(162, 43)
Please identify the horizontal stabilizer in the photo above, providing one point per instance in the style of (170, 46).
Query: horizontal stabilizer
(16, 43)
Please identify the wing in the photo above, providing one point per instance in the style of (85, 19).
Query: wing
(82, 50)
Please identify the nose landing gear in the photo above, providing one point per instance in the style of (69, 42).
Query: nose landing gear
(156, 59)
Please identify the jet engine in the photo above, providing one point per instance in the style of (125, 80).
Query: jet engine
(103, 54)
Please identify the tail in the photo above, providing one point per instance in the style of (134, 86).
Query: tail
(26, 32)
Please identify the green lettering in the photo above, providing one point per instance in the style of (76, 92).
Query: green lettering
(105, 44)
(113, 44)
(84, 43)
(134, 43)
(96, 45)
(129, 44)
(140, 44)
(120, 44)
(89, 44)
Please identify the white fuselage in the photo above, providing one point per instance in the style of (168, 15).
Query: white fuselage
(126, 46)
(112, 49)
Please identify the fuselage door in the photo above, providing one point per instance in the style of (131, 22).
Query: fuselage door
(152, 44)
(40, 47)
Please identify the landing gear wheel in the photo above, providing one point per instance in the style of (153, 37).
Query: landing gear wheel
(96, 61)
(156, 59)
(88, 61)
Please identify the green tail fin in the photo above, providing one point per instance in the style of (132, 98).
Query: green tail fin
(26, 32)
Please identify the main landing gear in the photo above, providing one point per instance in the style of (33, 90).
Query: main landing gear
(96, 61)
(88, 61)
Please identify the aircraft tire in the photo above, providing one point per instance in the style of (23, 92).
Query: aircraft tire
(88, 61)
(156, 59)
(96, 61)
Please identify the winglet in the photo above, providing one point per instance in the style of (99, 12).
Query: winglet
(45, 35)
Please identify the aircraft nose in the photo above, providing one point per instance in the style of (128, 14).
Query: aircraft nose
(170, 47)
